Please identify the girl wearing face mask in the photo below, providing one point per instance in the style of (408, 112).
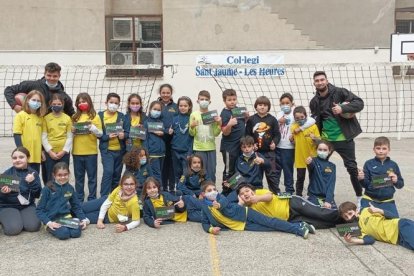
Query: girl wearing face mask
(190, 183)
(17, 208)
(27, 127)
(58, 201)
(85, 149)
(153, 198)
(322, 177)
(285, 150)
(120, 207)
(111, 144)
(154, 141)
(136, 163)
(134, 117)
(304, 145)
(57, 136)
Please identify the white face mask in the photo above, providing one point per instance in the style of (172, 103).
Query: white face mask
(50, 85)
(154, 196)
(211, 195)
(113, 107)
(248, 154)
(204, 104)
(322, 154)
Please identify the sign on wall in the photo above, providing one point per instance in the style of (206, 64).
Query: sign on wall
(242, 65)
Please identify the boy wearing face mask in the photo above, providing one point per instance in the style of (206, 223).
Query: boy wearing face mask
(322, 177)
(219, 213)
(204, 135)
(250, 164)
(111, 146)
(304, 145)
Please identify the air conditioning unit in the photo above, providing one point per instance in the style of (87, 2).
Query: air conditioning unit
(122, 29)
(121, 58)
(149, 56)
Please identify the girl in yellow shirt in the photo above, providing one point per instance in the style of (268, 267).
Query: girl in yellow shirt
(27, 127)
(133, 118)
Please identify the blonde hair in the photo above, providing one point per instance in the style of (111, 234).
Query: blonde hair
(42, 110)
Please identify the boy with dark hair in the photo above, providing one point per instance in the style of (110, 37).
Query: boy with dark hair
(233, 130)
(334, 108)
(47, 85)
(382, 169)
(378, 224)
(291, 209)
(218, 213)
(264, 128)
(204, 135)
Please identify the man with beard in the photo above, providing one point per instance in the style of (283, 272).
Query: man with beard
(333, 109)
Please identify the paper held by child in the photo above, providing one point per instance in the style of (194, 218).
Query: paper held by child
(381, 181)
(81, 128)
(208, 117)
(114, 128)
(349, 228)
(238, 112)
(11, 181)
(69, 222)
(155, 126)
(167, 212)
(137, 132)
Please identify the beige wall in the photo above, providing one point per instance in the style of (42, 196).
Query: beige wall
(133, 7)
(52, 25)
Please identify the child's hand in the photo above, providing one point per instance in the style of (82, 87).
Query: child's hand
(232, 121)
(393, 176)
(272, 146)
(53, 225)
(326, 205)
(297, 130)
(282, 120)
(361, 174)
(292, 139)
(194, 123)
(113, 135)
(308, 160)
(256, 147)
(82, 224)
(53, 155)
(336, 109)
(157, 223)
(121, 135)
(100, 224)
(60, 154)
(30, 177)
(241, 201)
(170, 131)
(226, 184)
(43, 157)
(73, 130)
(119, 228)
(5, 190)
(258, 160)
(215, 230)
(312, 136)
(216, 204)
(349, 239)
(217, 119)
(159, 133)
(372, 209)
(180, 203)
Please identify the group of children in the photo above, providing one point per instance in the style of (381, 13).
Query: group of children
(176, 139)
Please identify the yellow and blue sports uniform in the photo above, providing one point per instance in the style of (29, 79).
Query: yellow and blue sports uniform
(191, 184)
(29, 128)
(386, 228)
(235, 217)
(380, 197)
(252, 172)
(322, 179)
(132, 122)
(155, 146)
(112, 150)
(85, 158)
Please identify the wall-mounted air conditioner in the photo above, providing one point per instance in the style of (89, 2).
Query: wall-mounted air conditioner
(122, 29)
(121, 58)
(149, 56)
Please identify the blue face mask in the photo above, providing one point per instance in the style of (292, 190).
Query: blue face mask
(155, 114)
(35, 105)
(301, 122)
(143, 161)
(286, 108)
(322, 154)
(57, 108)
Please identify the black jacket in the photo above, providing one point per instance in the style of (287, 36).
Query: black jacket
(40, 85)
(350, 127)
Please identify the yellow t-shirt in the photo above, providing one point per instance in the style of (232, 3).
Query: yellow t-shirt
(159, 202)
(30, 128)
(57, 129)
(135, 122)
(304, 145)
(377, 226)
(276, 208)
(86, 144)
(232, 224)
(129, 208)
(113, 143)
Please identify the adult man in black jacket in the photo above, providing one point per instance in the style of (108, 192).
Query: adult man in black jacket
(47, 85)
(333, 108)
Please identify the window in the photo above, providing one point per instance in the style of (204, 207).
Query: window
(404, 26)
(134, 40)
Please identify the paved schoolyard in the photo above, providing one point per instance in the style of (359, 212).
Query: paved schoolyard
(184, 249)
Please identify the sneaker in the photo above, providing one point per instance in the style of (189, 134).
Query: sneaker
(304, 230)
(310, 227)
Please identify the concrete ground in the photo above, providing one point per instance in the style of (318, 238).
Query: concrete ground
(185, 249)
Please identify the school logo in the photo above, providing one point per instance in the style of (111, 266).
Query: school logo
(182, 178)
(171, 109)
(328, 170)
(170, 203)
(67, 194)
(390, 170)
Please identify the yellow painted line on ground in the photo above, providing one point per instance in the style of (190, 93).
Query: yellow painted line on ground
(215, 260)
